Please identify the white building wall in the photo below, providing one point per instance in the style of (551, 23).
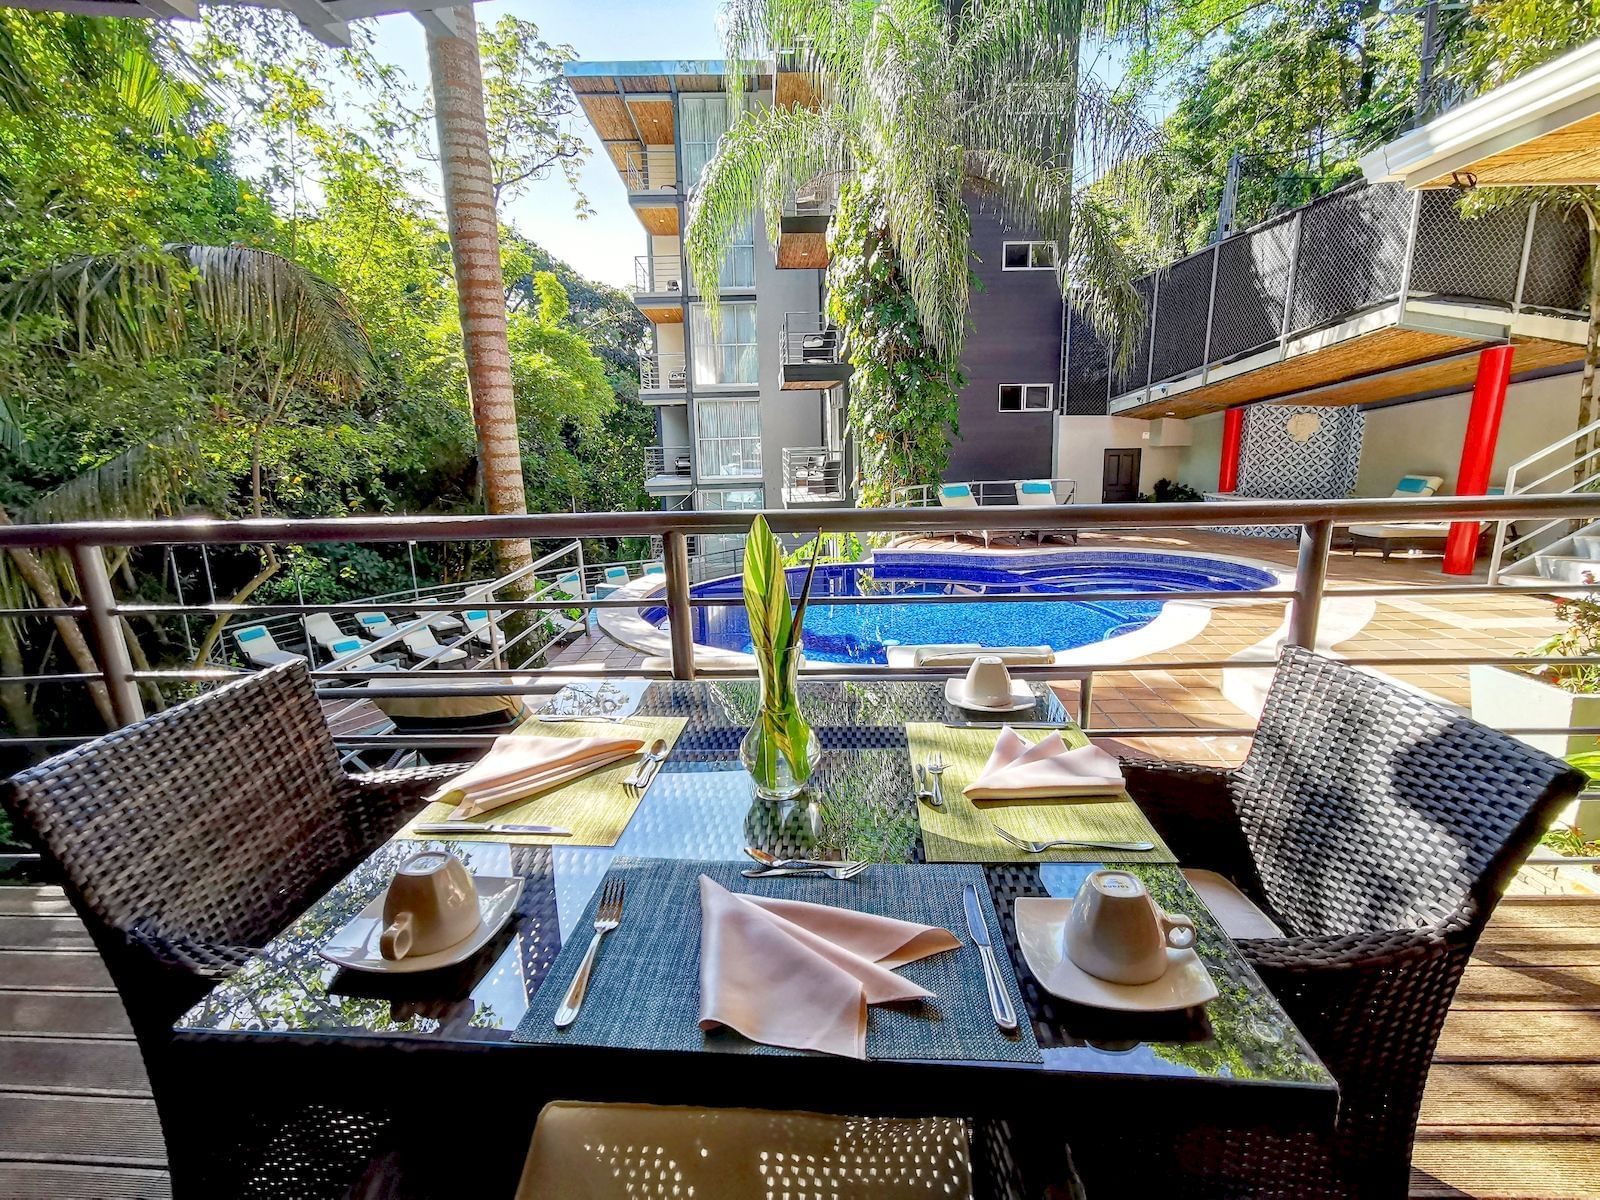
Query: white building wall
(1081, 443)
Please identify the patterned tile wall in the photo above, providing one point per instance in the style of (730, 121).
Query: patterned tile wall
(1298, 452)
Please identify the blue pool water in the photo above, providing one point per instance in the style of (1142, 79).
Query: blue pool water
(838, 631)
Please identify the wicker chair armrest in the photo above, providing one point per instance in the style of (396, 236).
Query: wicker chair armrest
(384, 800)
(190, 955)
(1381, 950)
(1192, 808)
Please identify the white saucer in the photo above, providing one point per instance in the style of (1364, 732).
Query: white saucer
(356, 945)
(1039, 924)
(955, 692)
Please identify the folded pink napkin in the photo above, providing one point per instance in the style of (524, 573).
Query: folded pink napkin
(517, 767)
(788, 973)
(1018, 771)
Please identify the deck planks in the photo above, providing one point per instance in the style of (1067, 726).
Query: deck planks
(1512, 1110)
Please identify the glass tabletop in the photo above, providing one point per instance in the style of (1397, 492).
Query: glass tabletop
(701, 806)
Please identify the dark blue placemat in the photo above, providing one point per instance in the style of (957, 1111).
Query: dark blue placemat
(645, 994)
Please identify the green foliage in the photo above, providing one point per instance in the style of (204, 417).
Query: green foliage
(937, 106)
(1580, 639)
(1167, 491)
(903, 393)
(775, 635)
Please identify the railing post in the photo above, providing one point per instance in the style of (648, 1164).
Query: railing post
(105, 630)
(1310, 579)
(680, 617)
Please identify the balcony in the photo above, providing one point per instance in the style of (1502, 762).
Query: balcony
(651, 176)
(1369, 293)
(658, 287)
(662, 378)
(803, 226)
(668, 470)
(811, 355)
(814, 477)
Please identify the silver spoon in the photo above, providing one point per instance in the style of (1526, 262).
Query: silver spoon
(655, 756)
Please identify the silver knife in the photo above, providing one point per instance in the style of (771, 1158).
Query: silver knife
(999, 1003)
(451, 827)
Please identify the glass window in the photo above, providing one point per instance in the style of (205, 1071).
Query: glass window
(702, 120)
(729, 433)
(739, 264)
(1028, 256)
(728, 499)
(730, 355)
(1025, 397)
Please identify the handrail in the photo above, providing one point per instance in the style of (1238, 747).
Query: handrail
(1501, 545)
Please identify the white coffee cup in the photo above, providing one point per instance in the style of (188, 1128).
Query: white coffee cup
(431, 904)
(988, 682)
(1115, 931)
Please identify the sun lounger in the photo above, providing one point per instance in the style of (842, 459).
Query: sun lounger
(479, 626)
(422, 645)
(322, 630)
(1041, 493)
(1413, 536)
(377, 624)
(256, 644)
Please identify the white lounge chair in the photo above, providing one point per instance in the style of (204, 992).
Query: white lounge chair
(423, 646)
(1415, 537)
(323, 631)
(348, 653)
(1041, 493)
(655, 568)
(376, 623)
(255, 643)
(478, 625)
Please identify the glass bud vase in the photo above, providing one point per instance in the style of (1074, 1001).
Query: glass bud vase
(780, 749)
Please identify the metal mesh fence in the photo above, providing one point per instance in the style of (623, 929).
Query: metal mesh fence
(1557, 259)
(1084, 384)
(1138, 374)
(1352, 252)
(1252, 284)
(1469, 259)
(1180, 333)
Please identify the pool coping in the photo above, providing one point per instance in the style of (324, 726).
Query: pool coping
(1179, 620)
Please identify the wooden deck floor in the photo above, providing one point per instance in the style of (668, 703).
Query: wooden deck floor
(1512, 1111)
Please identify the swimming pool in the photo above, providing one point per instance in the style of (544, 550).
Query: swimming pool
(838, 631)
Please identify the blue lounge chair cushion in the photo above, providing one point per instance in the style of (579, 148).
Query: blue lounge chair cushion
(955, 490)
(373, 619)
(347, 645)
(1411, 483)
(616, 572)
(654, 569)
(1036, 487)
(251, 634)
(478, 614)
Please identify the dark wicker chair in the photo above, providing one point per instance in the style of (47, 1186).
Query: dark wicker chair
(1379, 829)
(189, 839)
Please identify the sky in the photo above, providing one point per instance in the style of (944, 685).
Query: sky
(604, 245)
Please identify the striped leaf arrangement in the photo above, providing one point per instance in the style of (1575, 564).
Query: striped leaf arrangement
(780, 743)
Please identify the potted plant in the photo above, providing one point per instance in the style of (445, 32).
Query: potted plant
(1551, 697)
(780, 750)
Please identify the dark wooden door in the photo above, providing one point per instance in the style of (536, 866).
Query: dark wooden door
(1120, 477)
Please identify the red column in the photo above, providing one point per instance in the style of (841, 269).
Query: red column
(1232, 432)
(1477, 452)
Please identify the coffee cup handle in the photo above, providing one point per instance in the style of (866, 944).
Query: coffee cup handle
(395, 941)
(1182, 926)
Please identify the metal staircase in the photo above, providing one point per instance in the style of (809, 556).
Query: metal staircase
(1534, 553)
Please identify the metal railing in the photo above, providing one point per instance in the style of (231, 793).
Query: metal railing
(667, 460)
(807, 339)
(654, 169)
(663, 372)
(988, 492)
(102, 613)
(1559, 479)
(814, 470)
(817, 198)
(1344, 254)
(656, 273)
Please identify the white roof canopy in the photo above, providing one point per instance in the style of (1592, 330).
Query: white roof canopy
(326, 20)
(1541, 128)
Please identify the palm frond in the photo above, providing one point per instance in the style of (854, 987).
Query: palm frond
(145, 304)
(143, 480)
(1102, 274)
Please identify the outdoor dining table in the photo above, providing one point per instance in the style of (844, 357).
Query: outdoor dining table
(438, 1046)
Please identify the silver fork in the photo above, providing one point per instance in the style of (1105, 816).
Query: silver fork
(936, 768)
(606, 918)
(1041, 847)
(849, 871)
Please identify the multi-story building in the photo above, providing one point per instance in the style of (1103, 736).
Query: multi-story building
(749, 409)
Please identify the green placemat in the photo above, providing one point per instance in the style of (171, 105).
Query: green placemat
(596, 807)
(963, 830)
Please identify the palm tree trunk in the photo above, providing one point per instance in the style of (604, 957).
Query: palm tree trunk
(14, 696)
(43, 585)
(480, 285)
